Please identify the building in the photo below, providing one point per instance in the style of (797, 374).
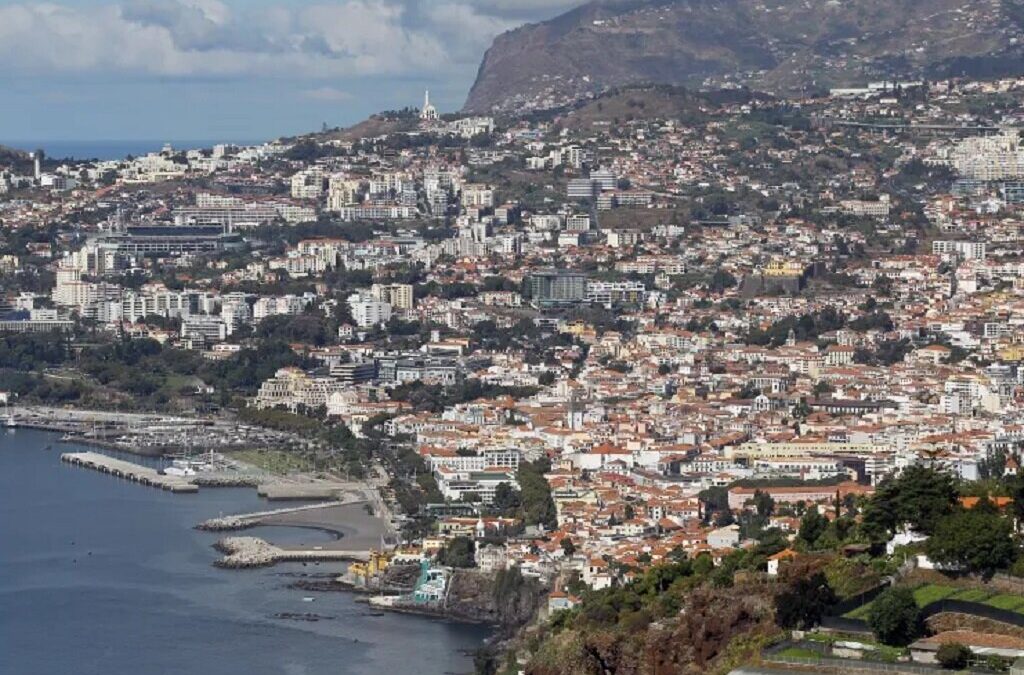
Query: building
(399, 296)
(989, 158)
(292, 388)
(171, 240)
(354, 372)
(866, 207)
(308, 184)
(367, 312)
(555, 287)
(428, 113)
(608, 293)
(968, 250)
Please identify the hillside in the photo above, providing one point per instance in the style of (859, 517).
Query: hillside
(11, 157)
(777, 46)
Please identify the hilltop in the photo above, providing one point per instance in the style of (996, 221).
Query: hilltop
(780, 47)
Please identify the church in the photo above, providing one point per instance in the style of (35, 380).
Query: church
(428, 113)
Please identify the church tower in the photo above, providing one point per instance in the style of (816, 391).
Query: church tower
(428, 113)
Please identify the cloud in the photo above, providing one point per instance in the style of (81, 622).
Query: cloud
(321, 39)
(329, 94)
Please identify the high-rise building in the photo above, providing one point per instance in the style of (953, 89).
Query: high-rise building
(554, 287)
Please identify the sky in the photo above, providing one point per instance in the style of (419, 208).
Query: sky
(236, 69)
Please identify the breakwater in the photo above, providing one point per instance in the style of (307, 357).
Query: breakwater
(246, 520)
(133, 472)
(245, 552)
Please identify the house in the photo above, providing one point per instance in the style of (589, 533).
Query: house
(724, 537)
(491, 558)
(558, 600)
(596, 574)
(980, 644)
(780, 558)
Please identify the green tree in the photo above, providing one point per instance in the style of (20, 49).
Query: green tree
(953, 656)
(812, 526)
(538, 508)
(919, 497)
(895, 618)
(568, 547)
(974, 540)
(763, 504)
(804, 601)
(459, 552)
(506, 498)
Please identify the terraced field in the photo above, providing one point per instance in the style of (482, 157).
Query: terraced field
(931, 593)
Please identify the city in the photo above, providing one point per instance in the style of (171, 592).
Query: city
(658, 379)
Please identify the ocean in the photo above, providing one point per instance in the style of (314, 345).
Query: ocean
(99, 576)
(106, 150)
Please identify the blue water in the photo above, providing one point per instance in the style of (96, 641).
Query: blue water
(102, 576)
(112, 149)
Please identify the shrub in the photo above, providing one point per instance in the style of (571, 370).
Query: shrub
(953, 656)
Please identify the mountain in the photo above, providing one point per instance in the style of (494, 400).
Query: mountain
(778, 46)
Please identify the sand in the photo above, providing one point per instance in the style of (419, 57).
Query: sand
(357, 529)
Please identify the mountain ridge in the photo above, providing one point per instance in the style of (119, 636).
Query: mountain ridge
(782, 47)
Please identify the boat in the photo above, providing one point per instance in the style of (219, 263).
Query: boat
(308, 599)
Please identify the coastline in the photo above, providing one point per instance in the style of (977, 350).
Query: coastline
(87, 545)
(350, 525)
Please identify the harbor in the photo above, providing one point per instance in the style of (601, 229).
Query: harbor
(90, 546)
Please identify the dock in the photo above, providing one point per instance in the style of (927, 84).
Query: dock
(133, 472)
(243, 552)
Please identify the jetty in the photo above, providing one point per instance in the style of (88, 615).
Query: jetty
(133, 472)
(244, 552)
(246, 520)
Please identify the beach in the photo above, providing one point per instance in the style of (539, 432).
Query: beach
(354, 527)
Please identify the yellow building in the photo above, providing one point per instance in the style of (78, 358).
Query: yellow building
(783, 268)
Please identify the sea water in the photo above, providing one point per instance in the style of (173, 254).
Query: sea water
(101, 575)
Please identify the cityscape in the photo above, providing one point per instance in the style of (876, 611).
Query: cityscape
(597, 376)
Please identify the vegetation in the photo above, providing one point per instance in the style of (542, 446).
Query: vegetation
(974, 541)
(953, 656)
(920, 497)
(895, 617)
(459, 552)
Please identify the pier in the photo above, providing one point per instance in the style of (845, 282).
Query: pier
(246, 520)
(243, 552)
(133, 472)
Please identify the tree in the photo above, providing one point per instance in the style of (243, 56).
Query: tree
(895, 618)
(538, 507)
(821, 387)
(568, 548)
(953, 656)
(460, 552)
(506, 498)
(721, 280)
(764, 504)
(974, 540)
(804, 601)
(812, 526)
(920, 497)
